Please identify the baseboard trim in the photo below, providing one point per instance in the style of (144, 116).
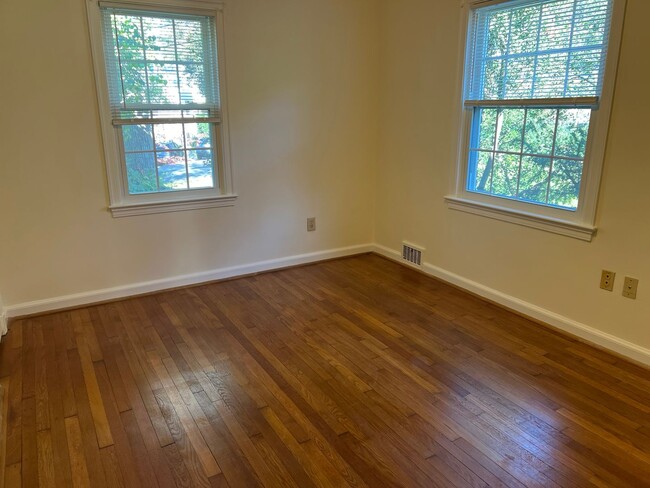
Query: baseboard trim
(115, 293)
(565, 324)
(3, 319)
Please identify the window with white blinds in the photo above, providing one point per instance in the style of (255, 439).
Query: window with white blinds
(538, 49)
(160, 66)
(533, 79)
(158, 71)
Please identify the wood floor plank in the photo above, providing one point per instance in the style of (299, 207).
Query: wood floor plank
(29, 452)
(79, 470)
(13, 476)
(94, 460)
(189, 425)
(102, 427)
(4, 410)
(352, 372)
(46, 475)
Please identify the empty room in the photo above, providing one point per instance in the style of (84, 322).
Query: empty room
(324, 243)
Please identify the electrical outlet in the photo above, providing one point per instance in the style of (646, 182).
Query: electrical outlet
(311, 224)
(630, 287)
(607, 280)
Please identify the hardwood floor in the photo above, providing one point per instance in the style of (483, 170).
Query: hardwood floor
(355, 372)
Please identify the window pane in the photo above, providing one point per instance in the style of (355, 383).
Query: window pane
(519, 83)
(540, 126)
(551, 71)
(159, 39)
(129, 37)
(584, 69)
(134, 82)
(137, 138)
(172, 172)
(141, 173)
(189, 37)
(504, 176)
(556, 25)
(525, 24)
(480, 174)
(565, 183)
(198, 135)
(534, 179)
(191, 83)
(572, 131)
(499, 27)
(200, 165)
(510, 126)
(494, 80)
(169, 136)
(590, 23)
(163, 83)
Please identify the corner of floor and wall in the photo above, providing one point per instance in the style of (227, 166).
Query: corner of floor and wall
(339, 110)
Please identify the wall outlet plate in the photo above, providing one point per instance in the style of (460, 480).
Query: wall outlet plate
(311, 224)
(630, 287)
(607, 280)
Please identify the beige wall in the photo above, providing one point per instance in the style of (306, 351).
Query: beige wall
(419, 64)
(302, 94)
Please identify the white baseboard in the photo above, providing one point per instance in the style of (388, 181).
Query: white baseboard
(96, 296)
(584, 332)
(3, 320)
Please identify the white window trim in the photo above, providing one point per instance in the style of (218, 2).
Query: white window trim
(579, 224)
(122, 204)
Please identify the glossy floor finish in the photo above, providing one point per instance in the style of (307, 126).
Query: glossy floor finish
(355, 372)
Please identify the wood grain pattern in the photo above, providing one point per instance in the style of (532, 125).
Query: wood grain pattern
(4, 410)
(355, 372)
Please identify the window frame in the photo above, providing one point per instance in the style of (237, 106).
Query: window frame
(122, 203)
(580, 223)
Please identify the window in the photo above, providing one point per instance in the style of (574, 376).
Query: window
(538, 82)
(161, 99)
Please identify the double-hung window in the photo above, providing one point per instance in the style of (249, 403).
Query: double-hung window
(538, 83)
(160, 87)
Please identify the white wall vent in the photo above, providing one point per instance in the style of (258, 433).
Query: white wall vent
(412, 254)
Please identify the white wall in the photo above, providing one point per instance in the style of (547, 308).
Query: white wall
(302, 94)
(419, 65)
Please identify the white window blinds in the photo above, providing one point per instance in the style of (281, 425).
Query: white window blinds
(161, 67)
(538, 49)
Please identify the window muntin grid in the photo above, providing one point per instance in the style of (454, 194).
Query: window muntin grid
(169, 157)
(534, 155)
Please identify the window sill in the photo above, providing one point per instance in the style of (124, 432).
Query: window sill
(129, 210)
(536, 221)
